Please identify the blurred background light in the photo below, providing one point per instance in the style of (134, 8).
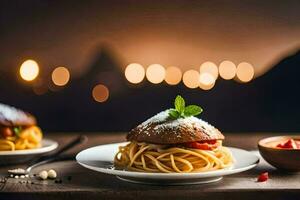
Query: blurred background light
(155, 73)
(60, 76)
(207, 87)
(206, 79)
(135, 73)
(245, 72)
(29, 70)
(227, 70)
(191, 78)
(173, 75)
(104, 51)
(209, 67)
(100, 93)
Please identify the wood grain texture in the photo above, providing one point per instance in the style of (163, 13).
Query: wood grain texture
(81, 183)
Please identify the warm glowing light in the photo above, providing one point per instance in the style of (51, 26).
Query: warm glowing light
(227, 70)
(29, 70)
(245, 72)
(155, 73)
(211, 68)
(206, 81)
(135, 73)
(100, 93)
(191, 78)
(173, 75)
(60, 76)
(206, 87)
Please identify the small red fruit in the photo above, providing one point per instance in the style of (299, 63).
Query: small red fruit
(6, 132)
(263, 177)
(289, 144)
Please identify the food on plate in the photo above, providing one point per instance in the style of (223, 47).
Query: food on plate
(18, 130)
(174, 141)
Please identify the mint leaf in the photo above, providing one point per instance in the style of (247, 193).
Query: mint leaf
(17, 131)
(174, 114)
(179, 104)
(192, 110)
(180, 111)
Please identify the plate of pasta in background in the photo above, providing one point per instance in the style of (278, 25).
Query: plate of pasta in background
(20, 137)
(173, 148)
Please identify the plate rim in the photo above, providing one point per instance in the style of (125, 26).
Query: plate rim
(52, 146)
(221, 172)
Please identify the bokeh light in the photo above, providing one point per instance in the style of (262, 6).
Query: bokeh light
(100, 93)
(191, 78)
(29, 70)
(206, 81)
(155, 73)
(135, 73)
(227, 70)
(60, 76)
(207, 87)
(209, 67)
(245, 72)
(173, 75)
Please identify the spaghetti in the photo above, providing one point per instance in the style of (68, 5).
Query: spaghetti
(144, 157)
(27, 138)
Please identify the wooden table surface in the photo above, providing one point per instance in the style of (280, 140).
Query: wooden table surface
(81, 183)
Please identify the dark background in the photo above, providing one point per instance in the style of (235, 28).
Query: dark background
(97, 39)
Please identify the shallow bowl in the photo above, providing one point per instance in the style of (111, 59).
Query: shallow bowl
(284, 159)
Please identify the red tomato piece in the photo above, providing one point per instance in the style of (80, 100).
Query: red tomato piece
(211, 141)
(202, 146)
(297, 144)
(289, 144)
(263, 177)
(6, 132)
(280, 145)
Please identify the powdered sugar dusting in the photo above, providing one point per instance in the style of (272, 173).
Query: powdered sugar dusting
(158, 118)
(161, 121)
(11, 114)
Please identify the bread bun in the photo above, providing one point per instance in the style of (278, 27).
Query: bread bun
(10, 116)
(160, 129)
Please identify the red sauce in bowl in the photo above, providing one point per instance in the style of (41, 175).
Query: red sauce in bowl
(289, 144)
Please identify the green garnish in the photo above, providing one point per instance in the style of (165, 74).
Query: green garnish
(17, 131)
(183, 111)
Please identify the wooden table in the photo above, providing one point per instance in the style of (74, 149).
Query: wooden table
(81, 183)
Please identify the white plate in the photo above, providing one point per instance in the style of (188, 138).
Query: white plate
(21, 156)
(100, 158)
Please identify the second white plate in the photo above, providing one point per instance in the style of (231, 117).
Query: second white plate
(21, 156)
(100, 158)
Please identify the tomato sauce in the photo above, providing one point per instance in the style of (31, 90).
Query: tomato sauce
(289, 144)
(205, 145)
